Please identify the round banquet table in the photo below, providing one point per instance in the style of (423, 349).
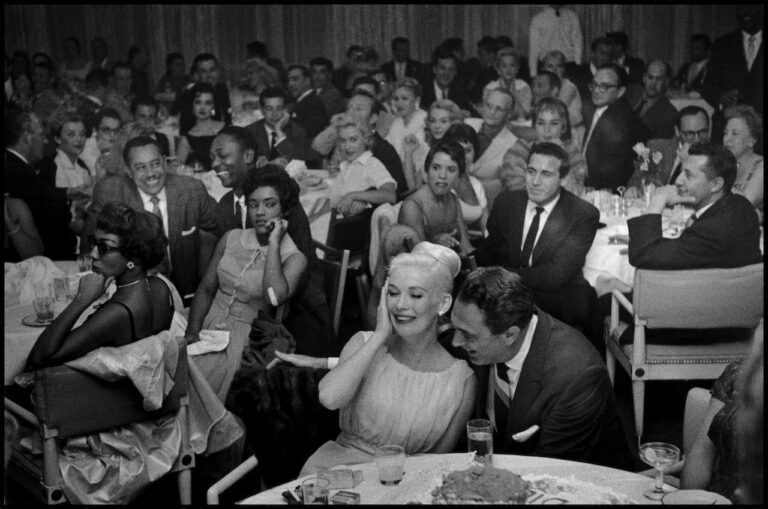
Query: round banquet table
(423, 472)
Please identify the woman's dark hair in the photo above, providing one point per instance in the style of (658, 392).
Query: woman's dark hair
(452, 149)
(202, 88)
(272, 175)
(142, 239)
(463, 133)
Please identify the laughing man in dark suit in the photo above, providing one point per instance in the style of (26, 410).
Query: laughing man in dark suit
(544, 233)
(544, 388)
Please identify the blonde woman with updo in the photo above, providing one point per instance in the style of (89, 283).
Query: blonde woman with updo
(362, 179)
(396, 384)
(441, 115)
(410, 118)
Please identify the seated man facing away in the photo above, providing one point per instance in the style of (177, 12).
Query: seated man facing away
(723, 232)
(544, 233)
(552, 396)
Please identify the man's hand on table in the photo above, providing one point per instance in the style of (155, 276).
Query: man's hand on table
(667, 196)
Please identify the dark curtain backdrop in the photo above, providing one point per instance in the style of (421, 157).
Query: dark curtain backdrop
(296, 33)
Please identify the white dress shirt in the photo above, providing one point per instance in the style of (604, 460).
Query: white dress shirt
(243, 208)
(552, 32)
(439, 93)
(758, 40)
(514, 368)
(279, 138)
(363, 173)
(530, 213)
(162, 205)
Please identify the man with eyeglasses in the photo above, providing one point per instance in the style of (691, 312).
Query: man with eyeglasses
(613, 130)
(691, 126)
(181, 202)
(101, 153)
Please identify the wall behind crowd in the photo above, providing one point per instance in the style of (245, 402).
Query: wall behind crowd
(296, 33)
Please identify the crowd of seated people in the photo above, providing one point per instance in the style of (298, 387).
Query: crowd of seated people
(487, 158)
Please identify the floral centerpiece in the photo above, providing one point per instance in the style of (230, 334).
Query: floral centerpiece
(649, 163)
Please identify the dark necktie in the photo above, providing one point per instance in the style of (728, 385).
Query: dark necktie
(501, 401)
(273, 146)
(164, 266)
(530, 238)
(443, 93)
(675, 173)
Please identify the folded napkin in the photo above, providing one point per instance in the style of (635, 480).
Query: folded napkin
(210, 340)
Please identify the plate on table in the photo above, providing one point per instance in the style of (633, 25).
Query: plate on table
(32, 321)
(694, 497)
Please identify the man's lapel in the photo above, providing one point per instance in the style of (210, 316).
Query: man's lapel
(516, 225)
(553, 228)
(174, 208)
(529, 383)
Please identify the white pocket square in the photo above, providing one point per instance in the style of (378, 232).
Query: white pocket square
(523, 436)
(184, 233)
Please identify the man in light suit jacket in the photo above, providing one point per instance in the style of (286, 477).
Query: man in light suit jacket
(401, 66)
(276, 135)
(544, 233)
(653, 106)
(182, 202)
(544, 388)
(495, 139)
(612, 130)
(691, 126)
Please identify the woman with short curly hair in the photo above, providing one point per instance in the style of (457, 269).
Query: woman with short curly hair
(126, 244)
(744, 138)
(254, 269)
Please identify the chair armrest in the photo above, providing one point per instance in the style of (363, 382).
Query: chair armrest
(618, 298)
(625, 303)
(231, 478)
(21, 412)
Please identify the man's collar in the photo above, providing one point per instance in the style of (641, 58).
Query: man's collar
(746, 35)
(305, 94)
(146, 197)
(548, 207)
(17, 154)
(517, 360)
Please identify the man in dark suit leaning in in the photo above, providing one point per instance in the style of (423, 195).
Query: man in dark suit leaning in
(276, 135)
(723, 232)
(612, 130)
(182, 203)
(544, 233)
(232, 157)
(541, 384)
(308, 111)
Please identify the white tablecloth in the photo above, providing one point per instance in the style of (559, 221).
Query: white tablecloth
(423, 472)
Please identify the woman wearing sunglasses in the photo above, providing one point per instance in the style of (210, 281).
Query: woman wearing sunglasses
(125, 245)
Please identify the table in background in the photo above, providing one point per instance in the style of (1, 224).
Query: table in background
(420, 475)
(19, 339)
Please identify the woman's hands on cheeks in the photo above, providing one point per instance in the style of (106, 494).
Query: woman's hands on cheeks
(276, 235)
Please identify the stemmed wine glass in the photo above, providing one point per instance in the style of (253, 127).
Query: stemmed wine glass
(660, 456)
(622, 201)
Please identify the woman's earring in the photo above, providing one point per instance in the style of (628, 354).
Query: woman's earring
(130, 265)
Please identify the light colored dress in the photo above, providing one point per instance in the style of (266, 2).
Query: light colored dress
(240, 272)
(472, 213)
(741, 185)
(394, 405)
(398, 131)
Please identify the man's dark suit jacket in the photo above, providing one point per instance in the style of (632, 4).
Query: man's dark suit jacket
(456, 93)
(309, 316)
(310, 114)
(697, 83)
(183, 107)
(636, 68)
(294, 146)
(555, 275)
(565, 390)
(726, 235)
(162, 140)
(581, 76)
(412, 68)
(47, 204)
(190, 209)
(609, 153)
(728, 71)
(660, 118)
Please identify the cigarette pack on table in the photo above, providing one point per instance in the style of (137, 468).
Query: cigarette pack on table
(346, 498)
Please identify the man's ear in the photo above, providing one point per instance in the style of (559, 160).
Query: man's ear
(716, 184)
(622, 91)
(511, 335)
(249, 155)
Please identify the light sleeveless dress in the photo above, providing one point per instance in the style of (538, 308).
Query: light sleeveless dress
(240, 272)
(394, 405)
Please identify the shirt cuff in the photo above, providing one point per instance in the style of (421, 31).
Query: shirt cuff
(332, 362)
